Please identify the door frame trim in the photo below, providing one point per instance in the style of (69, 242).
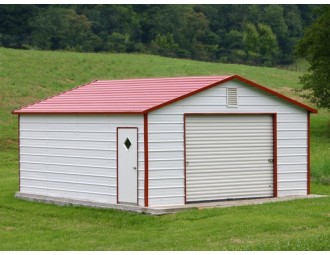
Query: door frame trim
(137, 163)
(274, 119)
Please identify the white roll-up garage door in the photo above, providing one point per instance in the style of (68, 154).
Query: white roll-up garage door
(228, 157)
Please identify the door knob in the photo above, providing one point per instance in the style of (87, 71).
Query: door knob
(134, 167)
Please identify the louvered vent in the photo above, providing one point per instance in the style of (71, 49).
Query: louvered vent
(232, 97)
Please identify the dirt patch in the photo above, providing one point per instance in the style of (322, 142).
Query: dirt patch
(9, 228)
(236, 240)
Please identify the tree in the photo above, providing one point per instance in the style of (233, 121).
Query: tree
(57, 28)
(234, 40)
(161, 20)
(116, 42)
(314, 46)
(251, 43)
(273, 15)
(164, 45)
(14, 26)
(194, 26)
(268, 47)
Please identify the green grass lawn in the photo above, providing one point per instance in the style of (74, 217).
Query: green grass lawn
(27, 76)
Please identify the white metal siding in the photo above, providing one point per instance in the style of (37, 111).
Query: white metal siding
(227, 157)
(74, 156)
(166, 147)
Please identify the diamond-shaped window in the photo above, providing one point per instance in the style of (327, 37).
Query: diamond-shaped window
(127, 143)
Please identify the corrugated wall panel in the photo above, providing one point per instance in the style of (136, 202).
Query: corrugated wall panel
(250, 100)
(74, 156)
(68, 169)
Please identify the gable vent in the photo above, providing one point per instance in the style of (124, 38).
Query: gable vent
(232, 97)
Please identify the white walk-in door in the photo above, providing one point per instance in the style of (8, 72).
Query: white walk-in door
(228, 157)
(127, 165)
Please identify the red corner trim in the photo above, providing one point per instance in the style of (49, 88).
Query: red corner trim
(146, 162)
(117, 165)
(184, 159)
(19, 151)
(275, 154)
(308, 154)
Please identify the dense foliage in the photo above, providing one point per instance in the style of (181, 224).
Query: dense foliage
(314, 46)
(250, 34)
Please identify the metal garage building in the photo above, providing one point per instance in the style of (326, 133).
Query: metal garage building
(165, 142)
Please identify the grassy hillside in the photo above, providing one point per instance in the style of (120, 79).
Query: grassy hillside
(27, 76)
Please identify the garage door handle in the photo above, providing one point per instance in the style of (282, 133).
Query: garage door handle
(271, 160)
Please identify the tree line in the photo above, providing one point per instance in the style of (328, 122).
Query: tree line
(247, 34)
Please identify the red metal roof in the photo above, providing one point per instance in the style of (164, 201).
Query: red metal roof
(133, 95)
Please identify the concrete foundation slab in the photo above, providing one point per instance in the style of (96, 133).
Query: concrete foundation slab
(157, 210)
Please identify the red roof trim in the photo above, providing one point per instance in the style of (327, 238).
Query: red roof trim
(251, 83)
(189, 94)
(61, 113)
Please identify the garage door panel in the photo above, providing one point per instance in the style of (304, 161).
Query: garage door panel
(232, 149)
(229, 133)
(210, 194)
(230, 174)
(231, 118)
(243, 160)
(228, 182)
(225, 164)
(214, 169)
(231, 128)
(228, 157)
(232, 123)
(227, 189)
(230, 195)
(230, 143)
